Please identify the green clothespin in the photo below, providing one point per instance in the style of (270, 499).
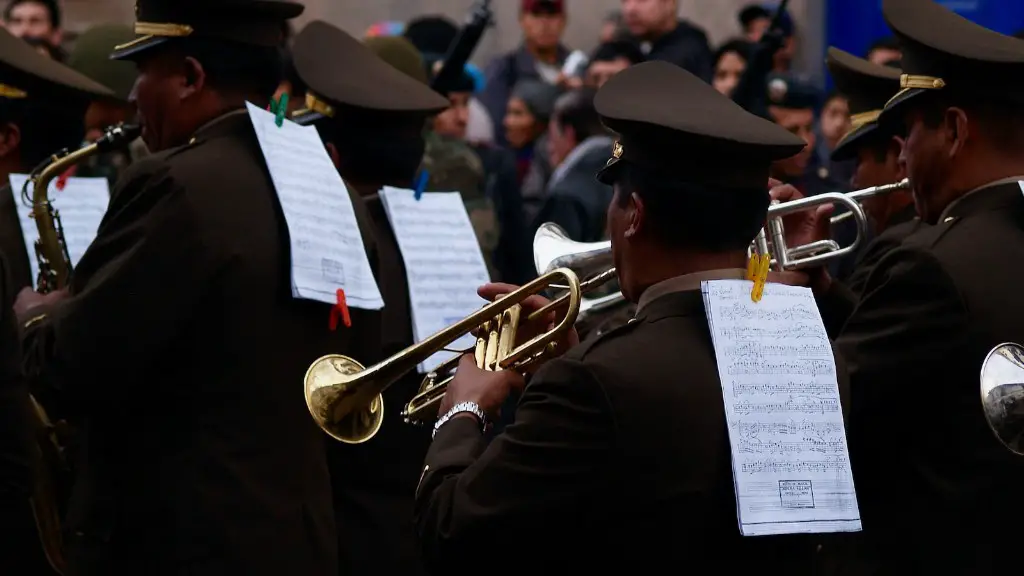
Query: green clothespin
(279, 106)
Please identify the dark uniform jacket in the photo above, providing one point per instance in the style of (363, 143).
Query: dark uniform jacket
(374, 482)
(12, 241)
(619, 456)
(903, 224)
(934, 484)
(183, 347)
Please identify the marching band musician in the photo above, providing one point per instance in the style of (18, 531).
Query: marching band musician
(876, 153)
(371, 118)
(576, 479)
(42, 108)
(933, 481)
(179, 337)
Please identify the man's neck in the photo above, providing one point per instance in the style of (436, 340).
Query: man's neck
(661, 269)
(547, 54)
(984, 171)
(665, 29)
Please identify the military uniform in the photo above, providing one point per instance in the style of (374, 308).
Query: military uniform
(181, 343)
(935, 486)
(619, 452)
(373, 482)
(867, 87)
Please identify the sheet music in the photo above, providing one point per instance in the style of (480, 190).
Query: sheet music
(327, 249)
(443, 262)
(791, 465)
(81, 206)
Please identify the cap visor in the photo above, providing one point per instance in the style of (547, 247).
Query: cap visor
(133, 50)
(610, 172)
(848, 146)
(894, 109)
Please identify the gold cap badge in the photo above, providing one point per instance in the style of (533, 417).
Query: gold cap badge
(617, 151)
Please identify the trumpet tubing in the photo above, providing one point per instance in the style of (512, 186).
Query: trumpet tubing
(860, 195)
(344, 398)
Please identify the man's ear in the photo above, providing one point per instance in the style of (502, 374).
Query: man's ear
(332, 151)
(957, 130)
(10, 139)
(195, 78)
(635, 213)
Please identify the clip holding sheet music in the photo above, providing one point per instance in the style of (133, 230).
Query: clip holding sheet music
(757, 272)
(279, 107)
(421, 184)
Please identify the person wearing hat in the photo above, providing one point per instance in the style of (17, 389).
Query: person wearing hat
(619, 454)
(42, 103)
(91, 57)
(875, 152)
(935, 485)
(755, 20)
(791, 105)
(374, 133)
(185, 295)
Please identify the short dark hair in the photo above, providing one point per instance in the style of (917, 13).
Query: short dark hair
(51, 6)
(887, 43)
(576, 110)
(738, 46)
(687, 215)
(384, 148)
(47, 125)
(616, 49)
(1001, 121)
(255, 71)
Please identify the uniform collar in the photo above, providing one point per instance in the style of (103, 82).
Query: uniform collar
(685, 283)
(977, 197)
(224, 123)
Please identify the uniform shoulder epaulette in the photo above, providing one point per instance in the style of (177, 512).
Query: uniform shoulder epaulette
(591, 344)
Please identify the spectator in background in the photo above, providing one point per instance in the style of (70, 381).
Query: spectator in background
(755, 19)
(526, 124)
(44, 47)
(832, 125)
(730, 63)
(40, 19)
(611, 58)
(791, 104)
(885, 51)
(578, 147)
(613, 27)
(91, 58)
(663, 36)
(539, 57)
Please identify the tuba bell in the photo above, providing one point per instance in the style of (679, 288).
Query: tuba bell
(1002, 395)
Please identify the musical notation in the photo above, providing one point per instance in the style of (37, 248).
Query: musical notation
(81, 205)
(443, 262)
(327, 251)
(790, 461)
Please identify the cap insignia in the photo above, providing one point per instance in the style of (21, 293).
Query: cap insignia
(617, 151)
(777, 90)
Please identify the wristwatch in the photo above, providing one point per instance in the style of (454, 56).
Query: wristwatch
(471, 407)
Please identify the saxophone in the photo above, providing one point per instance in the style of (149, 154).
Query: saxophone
(52, 470)
(51, 249)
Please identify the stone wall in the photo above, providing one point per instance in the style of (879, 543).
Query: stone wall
(717, 17)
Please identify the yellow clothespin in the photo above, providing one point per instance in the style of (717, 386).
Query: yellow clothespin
(757, 272)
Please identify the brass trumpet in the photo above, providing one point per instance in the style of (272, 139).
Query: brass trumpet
(772, 239)
(860, 195)
(1002, 395)
(345, 399)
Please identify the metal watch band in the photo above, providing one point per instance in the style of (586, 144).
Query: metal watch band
(471, 407)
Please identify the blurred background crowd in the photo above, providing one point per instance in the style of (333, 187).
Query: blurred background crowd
(522, 140)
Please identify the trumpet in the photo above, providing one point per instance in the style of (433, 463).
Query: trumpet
(344, 397)
(1002, 395)
(772, 239)
(51, 248)
(860, 195)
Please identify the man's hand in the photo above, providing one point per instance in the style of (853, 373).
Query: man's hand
(529, 330)
(487, 389)
(805, 226)
(29, 302)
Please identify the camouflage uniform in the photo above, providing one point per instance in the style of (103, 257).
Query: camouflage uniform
(453, 166)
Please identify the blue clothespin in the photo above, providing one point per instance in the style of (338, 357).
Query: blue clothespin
(279, 107)
(421, 184)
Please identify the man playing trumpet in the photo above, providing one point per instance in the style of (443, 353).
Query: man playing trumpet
(619, 449)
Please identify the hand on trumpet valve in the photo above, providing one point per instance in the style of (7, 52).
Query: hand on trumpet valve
(805, 226)
(529, 330)
(488, 389)
(29, 303)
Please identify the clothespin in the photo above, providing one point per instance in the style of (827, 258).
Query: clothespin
(279, 106)
(421, 184)
(62, 180)
(340, 310)
(757, 272)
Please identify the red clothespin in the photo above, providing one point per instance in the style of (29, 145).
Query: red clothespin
(340, 310)
(62, 180)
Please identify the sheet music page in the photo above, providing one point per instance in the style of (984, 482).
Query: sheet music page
(327, 250)
(81, 206)
(791, 464)
(443, 262)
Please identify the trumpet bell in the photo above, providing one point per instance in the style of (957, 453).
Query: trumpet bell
(552, 248)
(327, 394)
(1002, 395)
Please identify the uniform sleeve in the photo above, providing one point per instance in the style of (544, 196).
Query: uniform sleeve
(529, 484)
(133, 290)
